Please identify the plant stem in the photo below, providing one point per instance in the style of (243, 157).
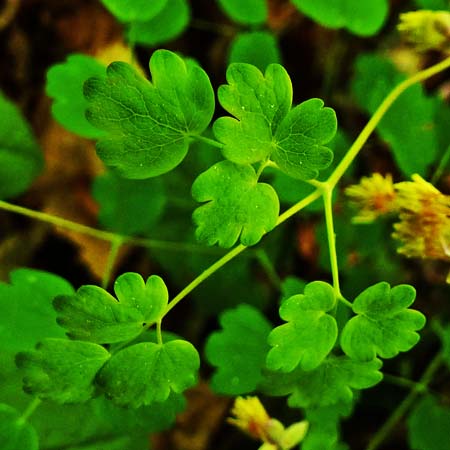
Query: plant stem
(379, 114)
(113, 252)
(30, 409)
(399, 412)
(266, 264)
(209, 141)
(441, 167)
(159, 332)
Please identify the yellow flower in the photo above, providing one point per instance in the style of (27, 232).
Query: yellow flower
(373, 197)
(251, 417)
(424, 227)
(426, 30)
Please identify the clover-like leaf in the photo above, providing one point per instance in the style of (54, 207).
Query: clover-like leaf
(129, 10)
(94, 315)
(384, 325)
(149, 125)
(310, 333)
(62, 370)
(15, 432)
(65, 87)
(237, 205)
(239, 350)
(330, 383)
(264, 125)
(248, 12)
(145, 373)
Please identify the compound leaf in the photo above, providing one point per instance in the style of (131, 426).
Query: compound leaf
(62, 370)
(168, 24)
(149, 124)
(16, 433)
(247, 12)
(300, 150)
(428, 425)
(94, 315)
(21, 158)
(238, 350)
(237, 205)
(384, 325)
(361, 18)
(310, 334)
(129, 206)
(65, 87)
(129, 10)
(146, 373)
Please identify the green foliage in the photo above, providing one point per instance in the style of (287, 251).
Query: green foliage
(95, 315)
(149, 124)
(266, 126)
(259, 48)
(330, 383)
(237, 205)
(65, 86)
(129, 10)
(383, 325)
(21, 159)
(412, 140)
(310, 334)
(238, 350)
(129, 206)
(428, 425)
(168, 24)
(433, 4)
(16, 433)
(49, 370)
(361, 18)
(248, 12)
(146, 372)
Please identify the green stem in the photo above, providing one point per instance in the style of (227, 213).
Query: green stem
(266, 264)
(30, 409)
(209, 141)
(404, 382)
(409, 400)
(379, 114)
(441, 167)
(159, 337)
(113, 252)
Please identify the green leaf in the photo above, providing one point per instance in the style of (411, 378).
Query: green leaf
(26, 312)
(310, 333)
(361, 18)
(237, 205)
(428, 425)
(16, 433)
(259, 48)
(266, 127)
(168, 24)
(433, 4)
(21, 158)
(94, 315)
(238, 351)
(65, 87)
(129, 206)
(129, 10)
(149, 124)
(62, 370)
(146, 373)
(247, 12)
(384, 325)
(330, 383)
(411, 136)
(291, 286)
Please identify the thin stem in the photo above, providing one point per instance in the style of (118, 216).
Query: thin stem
(409, 400)
(209, 141)
(404, 382)
(159, 337)
(30, 409)
(379, 114)
(328, 205)
(267, 265)
(112, 256)
(441, 167)
(298, 206)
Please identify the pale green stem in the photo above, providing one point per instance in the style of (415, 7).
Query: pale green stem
(404, 382)
(378, 115)
(113, 252)
(441, 167)
(159, 337)
(209, 141)
(409, 400)
(30, 409)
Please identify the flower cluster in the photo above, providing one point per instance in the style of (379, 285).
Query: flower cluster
(423, 211)
(251, 417)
